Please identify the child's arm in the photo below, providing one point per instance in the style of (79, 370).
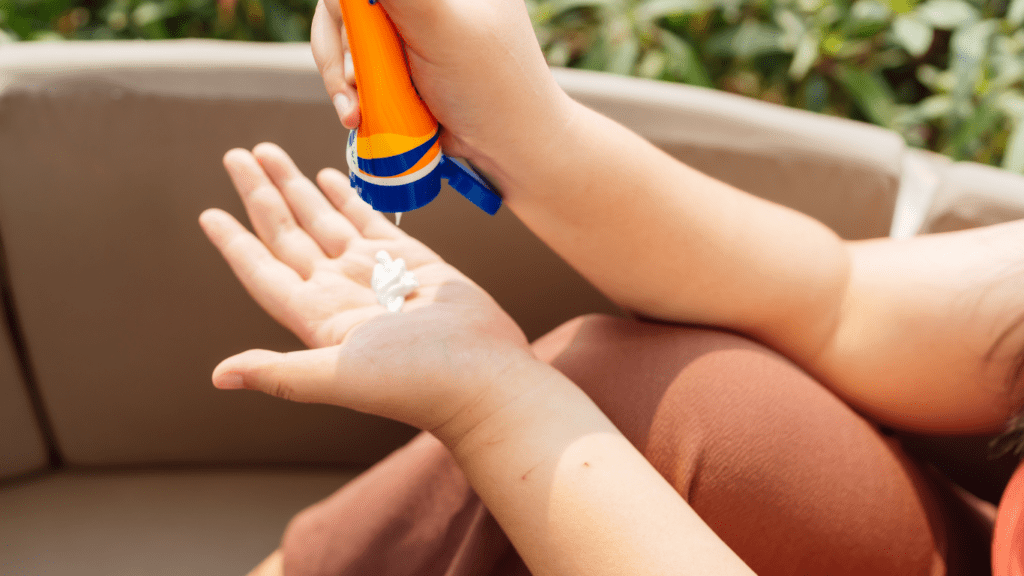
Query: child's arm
(920, 334)
(671, 243)
(574, 496)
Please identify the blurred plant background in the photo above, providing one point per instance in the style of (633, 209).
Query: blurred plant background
(946, 74)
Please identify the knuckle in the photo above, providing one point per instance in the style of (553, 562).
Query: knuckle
(281, 390)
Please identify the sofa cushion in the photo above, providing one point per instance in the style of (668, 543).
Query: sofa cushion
(155, 522)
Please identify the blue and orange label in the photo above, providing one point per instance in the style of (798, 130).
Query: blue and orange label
(395, 159)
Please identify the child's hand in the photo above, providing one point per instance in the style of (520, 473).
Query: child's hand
(309, 267)
(476, 64)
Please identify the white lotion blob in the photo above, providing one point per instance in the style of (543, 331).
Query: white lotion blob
(392, 282)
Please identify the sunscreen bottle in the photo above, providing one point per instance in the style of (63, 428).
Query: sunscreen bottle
(395, 159)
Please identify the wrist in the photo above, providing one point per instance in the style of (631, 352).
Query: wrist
(533, 148)
(521, 399)
(528, 408)
(492, 387)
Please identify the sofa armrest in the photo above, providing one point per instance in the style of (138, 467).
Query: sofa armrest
(970, 195)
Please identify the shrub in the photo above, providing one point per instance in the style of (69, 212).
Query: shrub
(946, 74)
(260, 20)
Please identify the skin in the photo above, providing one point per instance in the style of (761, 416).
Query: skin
(452, 363)
(736, 262)
(917, 334)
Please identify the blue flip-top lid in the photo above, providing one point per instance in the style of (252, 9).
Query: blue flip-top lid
(467, 182)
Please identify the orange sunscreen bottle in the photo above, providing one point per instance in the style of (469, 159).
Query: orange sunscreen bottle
(395, 159)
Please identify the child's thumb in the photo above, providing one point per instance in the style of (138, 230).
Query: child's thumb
(304, 376)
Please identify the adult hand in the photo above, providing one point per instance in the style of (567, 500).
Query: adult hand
(309, 266)
(476, 64)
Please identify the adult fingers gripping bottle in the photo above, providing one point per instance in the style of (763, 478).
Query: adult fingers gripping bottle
(394, 157)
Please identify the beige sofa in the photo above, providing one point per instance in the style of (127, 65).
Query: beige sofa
(116, 454)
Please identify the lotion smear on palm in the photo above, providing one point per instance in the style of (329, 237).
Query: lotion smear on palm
(392, 282)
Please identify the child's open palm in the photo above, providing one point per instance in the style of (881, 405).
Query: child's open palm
(309, 266)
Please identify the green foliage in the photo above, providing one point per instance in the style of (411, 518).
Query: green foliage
(946, 74)
(267, 20)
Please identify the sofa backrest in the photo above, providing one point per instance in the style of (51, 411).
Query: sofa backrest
(22, 446)
(844, 173)
(109, 151)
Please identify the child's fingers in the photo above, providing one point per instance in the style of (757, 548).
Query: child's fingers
(370, 223)
(269, 213)
(270, 282)
(312, 210)
(328, 44)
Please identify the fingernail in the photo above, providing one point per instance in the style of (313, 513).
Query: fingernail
(342, 104)
(230, 381)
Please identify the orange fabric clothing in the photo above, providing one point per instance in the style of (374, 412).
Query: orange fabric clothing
(790, 477)
(1008, 540)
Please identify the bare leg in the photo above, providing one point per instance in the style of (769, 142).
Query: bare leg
(788, 475)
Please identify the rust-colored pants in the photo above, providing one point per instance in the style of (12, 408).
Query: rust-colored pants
(785, 473)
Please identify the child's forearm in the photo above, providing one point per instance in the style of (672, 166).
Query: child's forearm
(573, 495)
(911, 333)
(669, 242)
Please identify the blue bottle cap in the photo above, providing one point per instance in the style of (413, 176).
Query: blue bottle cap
(379, 184)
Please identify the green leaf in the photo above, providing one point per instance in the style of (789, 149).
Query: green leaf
(947, 14)
(793, 28)
(544, 12)
(809, 5)
(871, 94)
(1013, 158)
(558, 54)
(934, 107)
(652, 65)
(965, 137)
(754, 38)
(1015, 13)
(832, 43)
(654, 9)
(816, 93)
(562, 6)
(147, 13)
(1009, 71)
(1011, 103)
(282, 24)
(682, 60)
(970, 45)
(870, 11)
(623, 56)
(595, 57)
(913, 34)
(747, 40)
(901, 6)
(804, 57)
